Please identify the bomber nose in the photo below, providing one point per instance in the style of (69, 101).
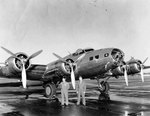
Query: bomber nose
(118, 56)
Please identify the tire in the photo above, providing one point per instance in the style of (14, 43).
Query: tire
(105, 87)
(50, 90)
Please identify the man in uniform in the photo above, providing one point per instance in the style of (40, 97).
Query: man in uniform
(64, 92)
(81, 88)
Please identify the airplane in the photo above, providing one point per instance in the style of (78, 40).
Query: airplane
(98, 64)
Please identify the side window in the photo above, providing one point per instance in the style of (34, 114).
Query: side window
(97, 56)
(91, 58)
(106, 55)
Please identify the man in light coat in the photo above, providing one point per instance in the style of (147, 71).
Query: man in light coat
(64, 92)
(81, 89)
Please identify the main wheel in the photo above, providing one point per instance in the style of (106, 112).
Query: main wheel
(50, 90)
(105, 87)
(104, 95)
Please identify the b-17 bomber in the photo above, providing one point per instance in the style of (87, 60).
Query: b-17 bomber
(101, 65)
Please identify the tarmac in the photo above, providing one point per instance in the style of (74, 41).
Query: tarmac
(132, 100)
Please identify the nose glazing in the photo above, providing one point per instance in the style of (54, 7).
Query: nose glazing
(117, 55)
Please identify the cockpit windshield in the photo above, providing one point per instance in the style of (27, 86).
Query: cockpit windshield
(89, 49)
(81, 51)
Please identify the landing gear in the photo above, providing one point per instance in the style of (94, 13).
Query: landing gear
(103, 89)
(50, 90)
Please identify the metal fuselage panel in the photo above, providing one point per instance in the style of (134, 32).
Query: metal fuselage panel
(93, 68)
(94, 63)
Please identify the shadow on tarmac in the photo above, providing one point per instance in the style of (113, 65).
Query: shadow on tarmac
(125, 101)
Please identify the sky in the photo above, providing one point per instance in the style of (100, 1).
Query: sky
(63, 26)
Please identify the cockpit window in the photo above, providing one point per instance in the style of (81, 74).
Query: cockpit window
(78, 52)
(81, 52)
(88, 50)
(75, 54)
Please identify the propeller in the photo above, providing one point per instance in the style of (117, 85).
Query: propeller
(60, 58)
(141, 72)
(72, 77)
(71, 65)
(79, 59)
(125, 75)
(141, 67)
(24, 77)
(9, 52)
(145, 60)
(23, 62)
(34, 54)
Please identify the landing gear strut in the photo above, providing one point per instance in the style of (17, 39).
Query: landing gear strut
(103, 89)
(50, 90)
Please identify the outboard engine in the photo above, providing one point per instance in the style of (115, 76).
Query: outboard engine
(15, 65)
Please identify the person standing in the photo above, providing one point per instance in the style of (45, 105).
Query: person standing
(64, 92)
(81, 89)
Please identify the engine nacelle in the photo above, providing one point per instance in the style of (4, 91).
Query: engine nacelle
(15, 65)
(118, 71)
(134, 68)
(57, 69)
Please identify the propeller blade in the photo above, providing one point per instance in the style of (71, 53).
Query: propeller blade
(125, 76)
(145, 60)
(72, 78)
(8, 51)
(60, 58)
(24, 78)
(72, 72)
(80, 58)
(35, 54)
(142, 76)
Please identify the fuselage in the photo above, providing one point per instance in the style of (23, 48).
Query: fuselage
(94, 63)
(98, 62)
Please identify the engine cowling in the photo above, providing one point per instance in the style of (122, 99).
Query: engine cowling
(15, 65)
(57, 69)
(118, 71)
(134, 68)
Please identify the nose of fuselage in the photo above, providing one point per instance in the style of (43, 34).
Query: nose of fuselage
(118, 56)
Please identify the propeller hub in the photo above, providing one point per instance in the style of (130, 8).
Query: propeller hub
(22, 59)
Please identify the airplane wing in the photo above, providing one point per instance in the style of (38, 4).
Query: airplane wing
(146, 67)
(35, 73)
(11, 84)
(19, 84)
